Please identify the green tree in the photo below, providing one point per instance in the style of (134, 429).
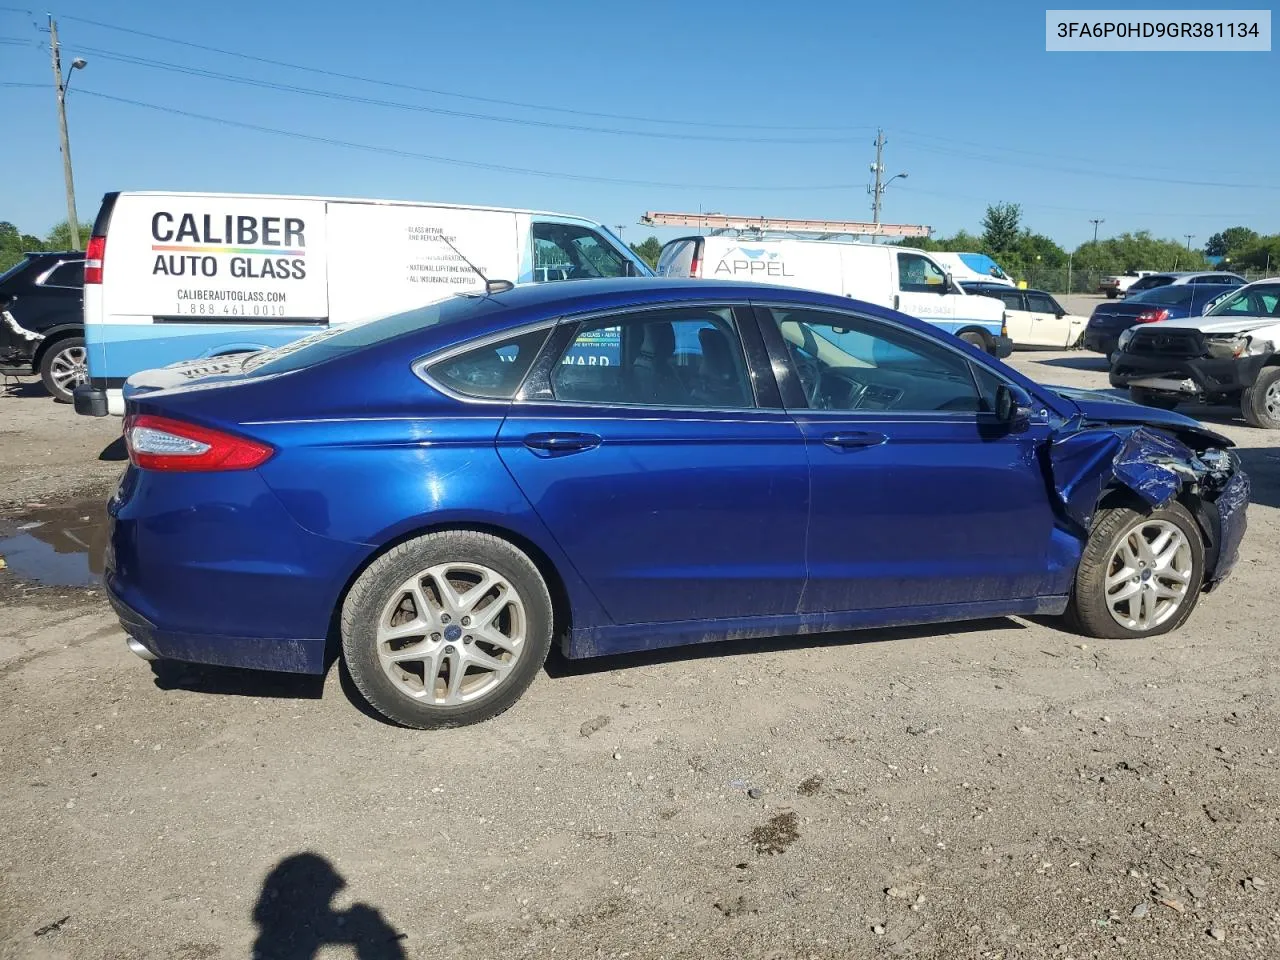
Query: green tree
(1262, 254)
(59, 237)
(648, 250)
(1001, 229)
(14, 243)
(1230, 241)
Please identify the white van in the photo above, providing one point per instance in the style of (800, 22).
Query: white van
(972, 266)
(896, 277)
(188, 276)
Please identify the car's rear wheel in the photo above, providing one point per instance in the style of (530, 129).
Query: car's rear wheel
(1150, 398)
(1140, 574)
(1260, 404)
(64, 367)
(446, 629)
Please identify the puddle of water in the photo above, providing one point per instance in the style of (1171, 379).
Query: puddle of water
(57, 546)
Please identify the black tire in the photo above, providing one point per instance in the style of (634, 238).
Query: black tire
(979, 340)
(1260, 403)
(1111, 294)
(1150, 398)
(1087, 611)
(59, 353)
(374, 589)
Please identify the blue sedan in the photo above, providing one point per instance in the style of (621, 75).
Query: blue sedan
(1152, 305)
(620, 465)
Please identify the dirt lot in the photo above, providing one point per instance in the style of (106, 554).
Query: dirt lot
(997, 790)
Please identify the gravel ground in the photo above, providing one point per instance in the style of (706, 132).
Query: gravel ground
(1000, 789)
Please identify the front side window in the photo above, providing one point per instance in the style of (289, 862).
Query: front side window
(490, 372)
(563, 251)
(847, 363)
(918, 274)
(1262, 300)
(688, 357)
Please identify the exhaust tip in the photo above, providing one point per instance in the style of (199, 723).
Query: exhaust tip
(140, 650)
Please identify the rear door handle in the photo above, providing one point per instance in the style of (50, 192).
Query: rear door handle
(854, 439)
(561, 442)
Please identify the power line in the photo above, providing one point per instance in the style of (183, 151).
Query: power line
(501, 168)
(442, 111)
(449, 93)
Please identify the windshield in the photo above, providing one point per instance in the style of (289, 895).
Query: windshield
(345, 338)
(982, 264)
(1258, 300)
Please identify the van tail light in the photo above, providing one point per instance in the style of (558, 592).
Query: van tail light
(695, 266)
(1152, 316)
(94, 254)
(161, 443)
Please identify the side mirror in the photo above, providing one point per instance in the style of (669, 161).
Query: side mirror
(949, 285)
(1013, 406)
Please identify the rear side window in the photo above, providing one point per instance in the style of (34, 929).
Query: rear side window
(70, 275)
(490, 372)
(1012, 301)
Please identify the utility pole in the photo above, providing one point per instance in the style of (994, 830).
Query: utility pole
(73, 221)
(878, 169)
(1188, 236)
(1095, 228)
(619, 227)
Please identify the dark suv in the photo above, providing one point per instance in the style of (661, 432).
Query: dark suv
(42, 321)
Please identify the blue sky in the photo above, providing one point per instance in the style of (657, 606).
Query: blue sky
(972, 106)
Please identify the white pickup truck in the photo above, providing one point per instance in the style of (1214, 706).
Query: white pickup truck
(1229, 355)
(1117, 285)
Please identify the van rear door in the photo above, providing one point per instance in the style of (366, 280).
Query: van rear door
(681, 258)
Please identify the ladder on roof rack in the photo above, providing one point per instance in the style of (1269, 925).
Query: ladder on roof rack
(719, 223)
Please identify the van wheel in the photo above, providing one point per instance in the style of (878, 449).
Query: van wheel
(977, 339)
(1260, 404)
(64, 367)
(446, 629)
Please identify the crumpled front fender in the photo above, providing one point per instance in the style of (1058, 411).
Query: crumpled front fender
(1087, 461)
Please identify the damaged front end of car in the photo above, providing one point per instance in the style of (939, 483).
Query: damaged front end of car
(1156, 463)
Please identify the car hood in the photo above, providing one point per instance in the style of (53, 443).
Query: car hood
(1098, 407)
(1239, 324)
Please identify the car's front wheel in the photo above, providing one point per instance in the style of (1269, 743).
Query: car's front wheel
(446, 629)
(1260, 404)
(1140, 574)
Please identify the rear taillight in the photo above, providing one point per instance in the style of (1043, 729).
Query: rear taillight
(160, 443)
(694, 266)
(1152, 316)
(94, 254)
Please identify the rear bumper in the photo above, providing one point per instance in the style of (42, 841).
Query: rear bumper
(1185, 376)
(1104, 343)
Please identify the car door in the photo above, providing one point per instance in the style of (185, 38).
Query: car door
(664, 465)
(919, 496)
(1017, 320)
(1050, 324)
(922, 290)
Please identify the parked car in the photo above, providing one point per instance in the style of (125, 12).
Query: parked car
(905, 279)
(1156, 305)
(1121, 283)
(1229, 355)
(42, 321)
(185, 276)
(1217, 278)
(452, 493)
(1034, 318)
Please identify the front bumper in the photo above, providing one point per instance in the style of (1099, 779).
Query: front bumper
(90, 401)
(1003, 346)
(1190, 377)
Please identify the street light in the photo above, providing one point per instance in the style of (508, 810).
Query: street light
(893, 178)
(60, 87)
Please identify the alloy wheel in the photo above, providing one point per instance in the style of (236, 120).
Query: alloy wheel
(451, 634)
(69, 369)
(1148, 575)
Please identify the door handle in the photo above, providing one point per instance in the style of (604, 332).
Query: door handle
(854, 439)
(561, 442)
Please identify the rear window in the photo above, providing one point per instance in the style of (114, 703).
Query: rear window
(1150, 283)
(337, 341)
(1169, 295)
